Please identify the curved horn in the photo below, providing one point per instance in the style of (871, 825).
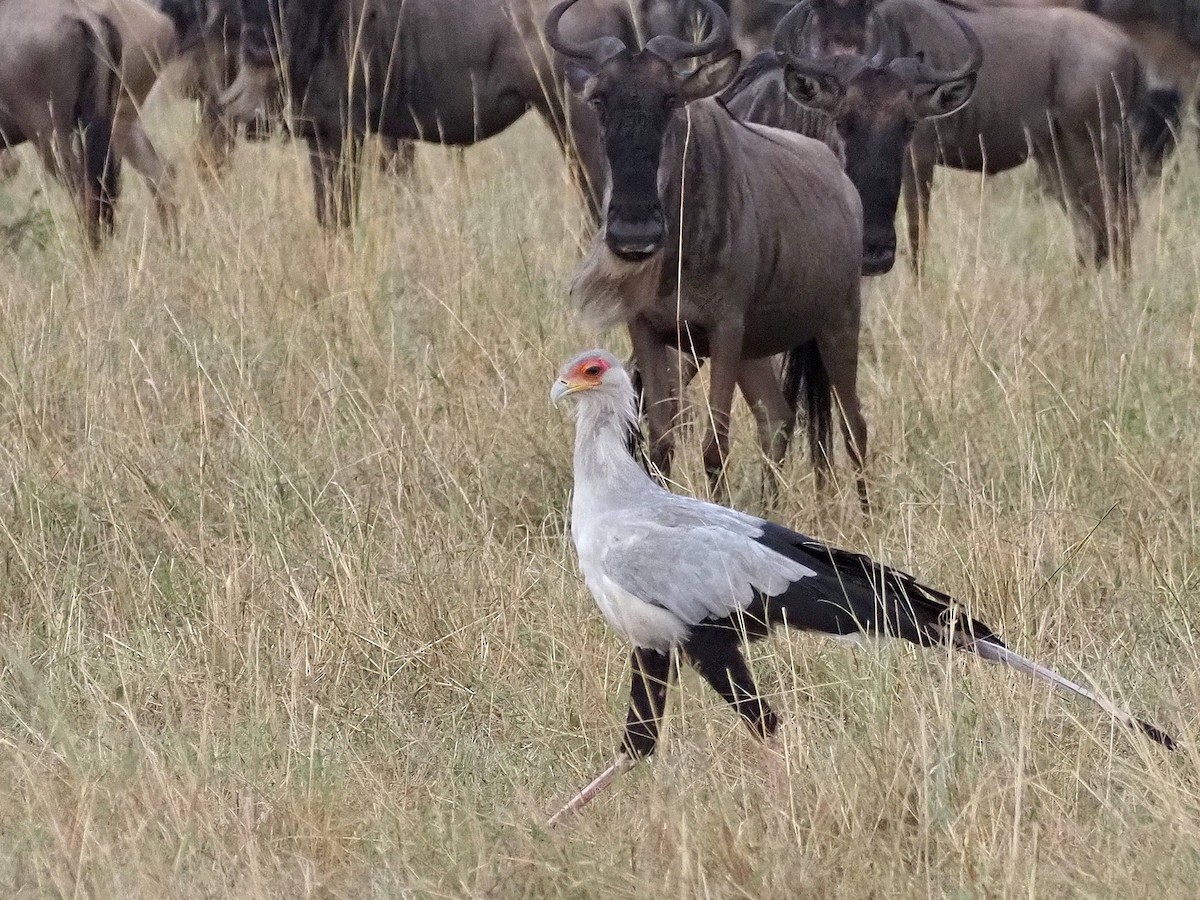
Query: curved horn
(791, 27)
(596, 51)
(790, 33)
(672, 49)
(929, 75)
(888, 45)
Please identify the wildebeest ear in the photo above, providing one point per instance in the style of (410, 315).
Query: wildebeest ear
(813, 91)
(710, 78)
(945, 99)
(578, 75)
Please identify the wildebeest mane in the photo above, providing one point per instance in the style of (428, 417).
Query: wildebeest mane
(758, 95)
(764, 62)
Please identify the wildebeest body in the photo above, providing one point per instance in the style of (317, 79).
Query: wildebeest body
(448, 71)
(720, 239)
(864, 104)
(59, 90)
(1054, 86)
(1167, 36)
(764, 214)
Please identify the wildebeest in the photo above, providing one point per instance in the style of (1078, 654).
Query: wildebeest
(448, 71)
(143, 42)
(208, 32)
(148, 43)
(1167, 36)
(59, 91)
(868, 106)
(754, 23)
(719, 239)
(1054, 86)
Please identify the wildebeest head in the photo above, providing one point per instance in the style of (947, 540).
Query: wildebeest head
(635, 96)
(256, 94)
(876, 97)
(839, 26)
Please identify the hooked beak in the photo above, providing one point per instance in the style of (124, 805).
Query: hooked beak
(563, 388)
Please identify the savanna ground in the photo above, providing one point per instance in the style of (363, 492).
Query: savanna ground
(288, 607)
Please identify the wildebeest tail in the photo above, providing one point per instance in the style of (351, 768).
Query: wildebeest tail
(1157, 116)
(804, 373)
(95, 106)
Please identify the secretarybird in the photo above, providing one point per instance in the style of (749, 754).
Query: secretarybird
(670, 572)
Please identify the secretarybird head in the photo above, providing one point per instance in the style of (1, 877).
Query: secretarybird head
(672, 573)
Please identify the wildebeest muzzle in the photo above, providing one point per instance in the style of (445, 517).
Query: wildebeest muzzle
(879, 252)
(635, 235)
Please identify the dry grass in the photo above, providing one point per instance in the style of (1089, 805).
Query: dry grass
(287, 607)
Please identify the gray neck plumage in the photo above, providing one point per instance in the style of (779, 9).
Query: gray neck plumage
(606, 472)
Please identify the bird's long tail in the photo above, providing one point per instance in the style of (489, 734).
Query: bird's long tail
(998, 653)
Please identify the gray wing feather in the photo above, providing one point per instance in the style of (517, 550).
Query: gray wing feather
(692, 562)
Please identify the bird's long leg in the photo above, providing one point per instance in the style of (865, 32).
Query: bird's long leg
(621, 763)
(649, 683)
(715, 652)
(652, 675)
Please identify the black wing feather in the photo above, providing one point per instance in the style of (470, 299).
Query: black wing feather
(852, 593)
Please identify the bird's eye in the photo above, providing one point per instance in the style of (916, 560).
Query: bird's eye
(597, 102)
(592, 371)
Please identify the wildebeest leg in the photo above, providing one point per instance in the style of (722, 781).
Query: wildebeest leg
(334, 165)
(397, 157)
(216, 138)
(10, 164)
(133, 145)
(1085, 187)
(657, 364)
(715, 652)
(839, 353)
(80, 153)
(1098, 172)
(918, 185)
(725, 351)
(759, 381)
(1062, 178)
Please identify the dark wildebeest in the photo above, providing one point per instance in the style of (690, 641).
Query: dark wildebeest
(148, 45)
(447, 71)
(868, 108)
(59, 90)
(209, 34)
(1054, 86)
(719, 239)
(754, 23)
(1167, 36)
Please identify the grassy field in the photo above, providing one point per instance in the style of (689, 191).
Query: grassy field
(288, 608)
